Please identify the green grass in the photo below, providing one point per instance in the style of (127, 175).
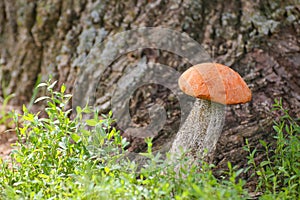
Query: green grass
(6, 116)
(62, 158)
(279, 173)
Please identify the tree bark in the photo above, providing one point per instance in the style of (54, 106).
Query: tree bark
(259, 39)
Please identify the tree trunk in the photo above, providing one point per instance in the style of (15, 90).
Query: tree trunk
(259, 39)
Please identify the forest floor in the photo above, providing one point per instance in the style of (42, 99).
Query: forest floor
(7, 131)
(7, 138)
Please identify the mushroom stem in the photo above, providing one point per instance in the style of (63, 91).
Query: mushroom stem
(200, 131)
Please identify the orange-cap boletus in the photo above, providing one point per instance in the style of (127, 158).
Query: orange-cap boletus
(215, 82)
(214, 86)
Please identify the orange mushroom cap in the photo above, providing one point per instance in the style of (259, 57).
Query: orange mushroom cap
(215, 82)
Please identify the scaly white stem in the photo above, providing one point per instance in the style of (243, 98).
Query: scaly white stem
(200, 131)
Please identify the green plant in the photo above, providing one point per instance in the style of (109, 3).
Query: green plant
(158, 180)
(279, 173)
(52, 151)
(57, 157)
(6, 117)
(45, 154)
(35, 91)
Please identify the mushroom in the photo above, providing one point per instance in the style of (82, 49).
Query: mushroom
(214, 86)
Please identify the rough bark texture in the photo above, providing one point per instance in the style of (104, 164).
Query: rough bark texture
(259, 39)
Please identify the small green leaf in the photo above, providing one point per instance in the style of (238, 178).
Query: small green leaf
(68, 95)
(78, 109)
(86, 110)
(85, 133)
(52, 85)
(23, 130)
(287, 129)
(107, 170)
(276, 128)
(258, 173)
(43, 176)
(91, 122)
(263, 143)
(263, 163)
(41, 98)
(29, 117)
(63, 88)
(229, 165)
(18, 183)
(41, 85)
(62, 145)
(75, 137)
(25, 110)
